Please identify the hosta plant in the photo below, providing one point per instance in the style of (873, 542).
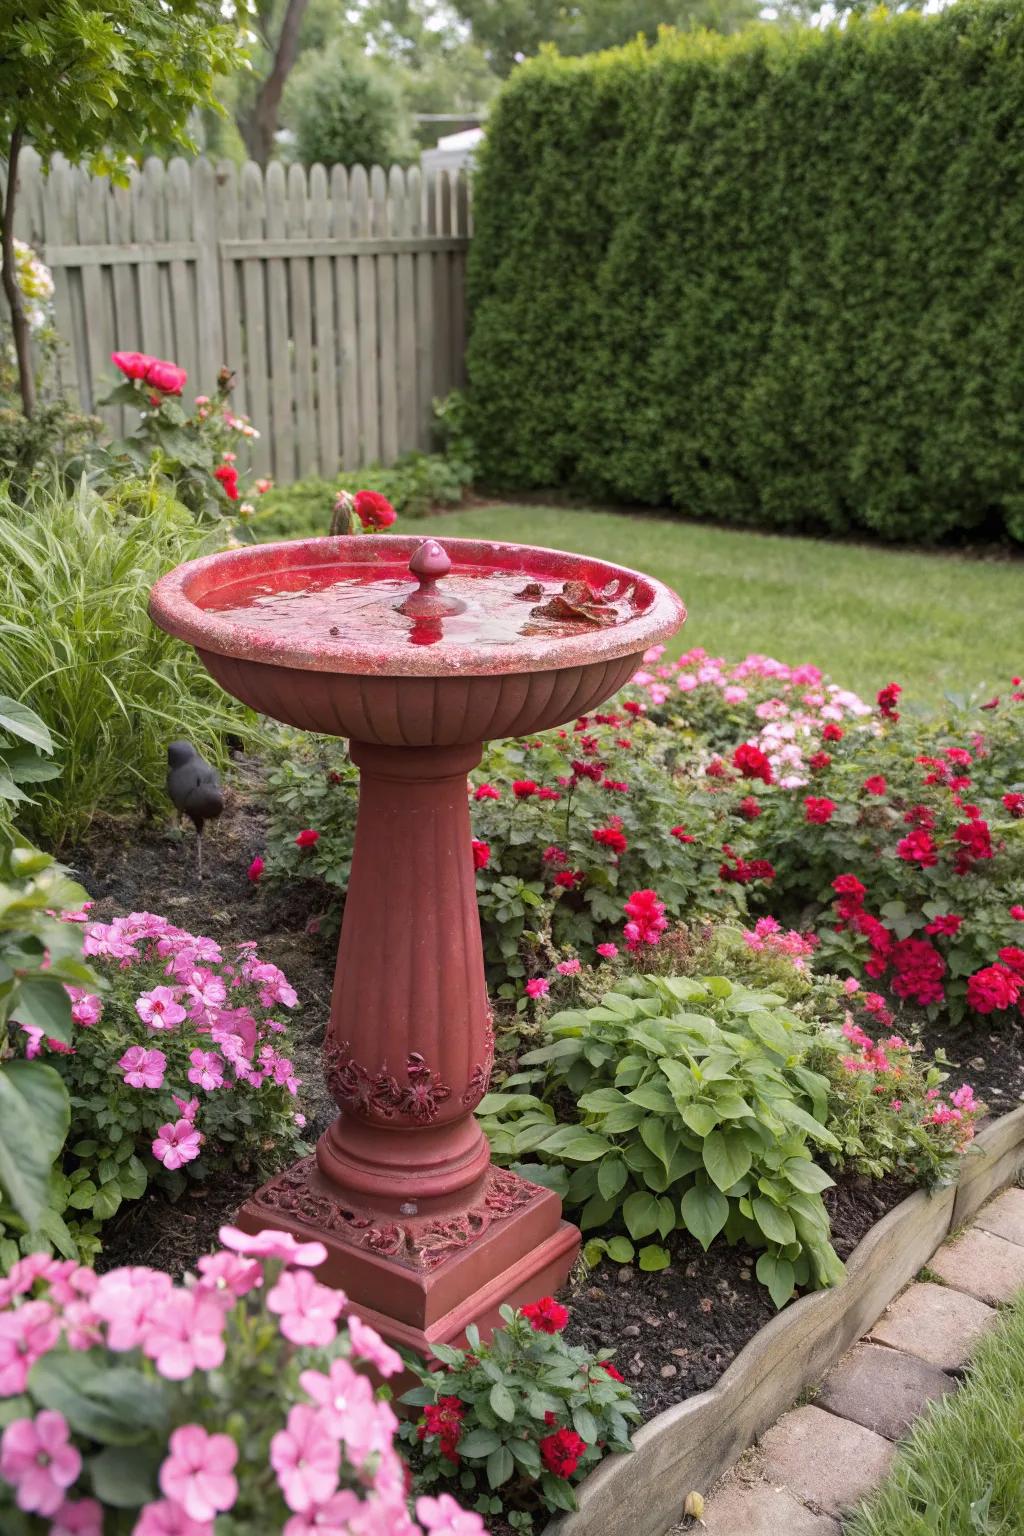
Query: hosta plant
(237, 1401)
(685, 1104)
(518, 1421)
(177, 1069)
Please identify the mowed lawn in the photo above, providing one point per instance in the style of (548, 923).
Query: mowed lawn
(936, 623)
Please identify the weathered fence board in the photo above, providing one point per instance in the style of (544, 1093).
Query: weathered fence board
(337, 298)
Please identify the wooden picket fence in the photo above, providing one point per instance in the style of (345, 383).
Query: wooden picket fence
(337, 297)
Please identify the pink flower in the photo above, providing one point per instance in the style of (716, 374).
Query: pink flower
(78, 1517)
(86, 1008)
(647, 920)
(228, 1276)
(308, 1310)
(198, 1472)
(25, 1335)
(368, 1345)
(444, 1517)
(343, 1395)
(166, 1519)
(568, 967)
(273, 1245)
(538, 986)
(185, 1334)
(142, 1068)
(187, 1108)
(165, 376)
(207, 1070)
(176, 1144)
(305, 1457)
(124, 1299)
(607, 951)
(159, 1008)
(255, 869)
(963, 1098)
(39, 1462)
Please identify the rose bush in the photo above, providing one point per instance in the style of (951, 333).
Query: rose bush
(236, 1401)
(176, 1068)
(519, 1420)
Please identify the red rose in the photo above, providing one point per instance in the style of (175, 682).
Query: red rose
(546, 793)
(917, 848)
(818, 762)
(818, 808)
(947, 924)
(307, 838)
(992, 989)
(1014, 958)
(849, 885)
(481, 854)
(523, 788)
(227, 474)
(561, 1452)
(875, 785)
(887, 697)
(610, 837)
(546, 1315)
(1014, 803)
(256, 869)
(681, 835)
(919, 969)
(167, 377)
(749, 807)
(832, 732)
(752, 762)
(374, 510)
(610, 1370)
(134, 365)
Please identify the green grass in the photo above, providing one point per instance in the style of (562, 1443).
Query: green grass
(934, 622)
(961, 1473)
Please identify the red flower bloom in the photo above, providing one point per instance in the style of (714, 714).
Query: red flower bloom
(307, 838)
(647, 920)
(1014, 958)
(875, 785)
(818, 808)
(849, 885)
(993, 988)
(716, 769)
(959, 755)
(681, 835)
(1014, 803)
(920, 816)
(917, 848)
(167, 377)
(227, 474)
(948, 924)
(833, 732)
(374, 510)
(749, 807)
(561, 1452)
(752, 762)
(632, 707)
(617, 784)
(553, 855)
(134, 365)
(818, 762)
(486, 792)
(546, 1315)
(610, 1370)
(481, 854)
(444, 1418)
(523, 788)
(611, 836)
(741, 871)
(975, 842)
(1018, 913)
(546, 793)
(583, 770)
(566, 879)
(887, 697)
(255, 869)
(919, 970)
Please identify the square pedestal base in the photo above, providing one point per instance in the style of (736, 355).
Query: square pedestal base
(423, 1280)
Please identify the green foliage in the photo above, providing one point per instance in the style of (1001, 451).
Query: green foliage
(501, 1401)
(415, 485)
(25, 744)
(92, 80)
(344, 109)
(113, 688)
(31, 445)
(689, 1108)
(760, 279)
(38, 954)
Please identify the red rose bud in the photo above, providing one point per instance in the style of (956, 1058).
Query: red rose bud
(307, 838)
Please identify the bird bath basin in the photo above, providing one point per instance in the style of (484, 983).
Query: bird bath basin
(418, 651)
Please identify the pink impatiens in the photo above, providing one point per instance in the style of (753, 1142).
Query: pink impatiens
(176, 1144)
(198, 1474)
(39, 1461)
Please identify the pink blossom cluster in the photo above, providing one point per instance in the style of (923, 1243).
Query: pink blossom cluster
(888, 1060)
(329, 1439)
(769, 935)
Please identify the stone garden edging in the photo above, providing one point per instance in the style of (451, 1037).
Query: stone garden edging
(691, 1445)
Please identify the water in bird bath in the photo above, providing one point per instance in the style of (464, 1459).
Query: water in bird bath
(495, 607)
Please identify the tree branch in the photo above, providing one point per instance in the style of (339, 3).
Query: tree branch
(19, 322)
(262, 123)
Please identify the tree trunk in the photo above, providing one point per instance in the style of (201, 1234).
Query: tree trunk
(19, 323)
(260, 127)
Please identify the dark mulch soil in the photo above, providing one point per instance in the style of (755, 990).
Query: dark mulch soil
(675, 1332)
(991, 1061)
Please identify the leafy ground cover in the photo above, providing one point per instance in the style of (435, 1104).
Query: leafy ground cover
(940, 622)
(961, 1472)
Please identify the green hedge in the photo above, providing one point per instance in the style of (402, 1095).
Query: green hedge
(774, 279)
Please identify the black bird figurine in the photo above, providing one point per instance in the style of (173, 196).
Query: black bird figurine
(193, 785)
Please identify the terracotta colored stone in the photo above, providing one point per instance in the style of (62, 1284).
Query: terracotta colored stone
(823, 1460)
(882, 1389)
(760, 1509)
(981, 1264)
(1004, 1216)
(935, 1323)
(418, 661)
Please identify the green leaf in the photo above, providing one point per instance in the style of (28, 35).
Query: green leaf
(585, 1148)
(640, 1212)
(557, 1492)
(778, 1275)
(806, 1176)
(499, 1466)
(799, 1117)
(107, 1201)
(527, 1454)
(35, 1114)
(701, 1118)
(620, 1250)
(777, 1225)
(115, 1407)
(447, 1354)
(726, 1157)
(479, 1441)
(124, 1478)
(43, 1003)
(611, 1176)
(654, 1258)
(20, 721)
(502, 1402)
(705, 1210)
(584, 1423)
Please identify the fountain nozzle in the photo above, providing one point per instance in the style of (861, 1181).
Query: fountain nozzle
(430, 562)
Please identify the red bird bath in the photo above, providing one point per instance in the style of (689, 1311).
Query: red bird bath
(418, 661)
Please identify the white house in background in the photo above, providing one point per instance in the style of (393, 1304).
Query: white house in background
(454, 152)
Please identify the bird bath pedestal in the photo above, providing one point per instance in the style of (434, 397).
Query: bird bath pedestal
(417, 661)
